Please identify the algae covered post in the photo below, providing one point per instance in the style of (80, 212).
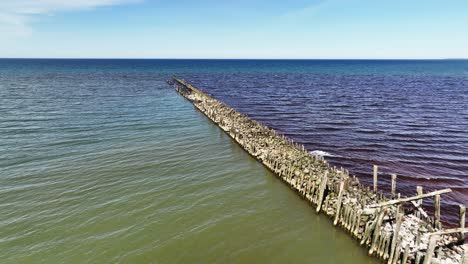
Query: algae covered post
(392, 233)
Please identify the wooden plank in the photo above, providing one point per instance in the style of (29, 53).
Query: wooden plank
(450, 231)
(409, 199)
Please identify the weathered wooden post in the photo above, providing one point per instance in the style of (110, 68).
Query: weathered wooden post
(340, 197)
(437, 211)
(464, 259)
(405, 255)
(323, 185)
(377, 230)
(376, 169)
(396, 257)
(430, 249)
(394, 178)
(399, 218)
(462, 224)
(419, 191)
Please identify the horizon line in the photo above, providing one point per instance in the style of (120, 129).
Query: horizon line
(167, 58)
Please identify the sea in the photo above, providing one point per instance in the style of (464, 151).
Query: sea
(101, 161)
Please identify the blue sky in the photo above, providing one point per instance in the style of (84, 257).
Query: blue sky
(234, 29)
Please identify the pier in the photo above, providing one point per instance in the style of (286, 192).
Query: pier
(394, 229)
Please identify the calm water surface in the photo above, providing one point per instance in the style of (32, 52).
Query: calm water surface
(101, 162)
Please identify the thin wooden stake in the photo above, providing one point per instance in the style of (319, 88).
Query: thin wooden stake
(394, 178)
(462, 224)
(437, 211)
(419, 191)
(376, 169)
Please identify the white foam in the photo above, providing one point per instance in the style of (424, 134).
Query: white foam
(321, 153)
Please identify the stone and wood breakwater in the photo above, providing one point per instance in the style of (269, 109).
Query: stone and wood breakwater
(393, 228)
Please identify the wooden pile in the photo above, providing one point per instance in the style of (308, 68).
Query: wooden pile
(383, 224)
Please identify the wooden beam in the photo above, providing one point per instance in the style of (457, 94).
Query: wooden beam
(449, 231)
(409, 199)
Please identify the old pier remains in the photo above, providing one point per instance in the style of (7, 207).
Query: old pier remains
(394, 229)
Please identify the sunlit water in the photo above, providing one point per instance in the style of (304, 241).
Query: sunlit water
(102, 162)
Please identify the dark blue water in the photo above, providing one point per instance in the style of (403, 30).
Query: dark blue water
(410, 117)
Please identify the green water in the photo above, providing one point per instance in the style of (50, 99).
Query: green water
(141, 177)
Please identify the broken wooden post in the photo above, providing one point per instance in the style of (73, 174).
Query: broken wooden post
(376, 169)
(399, 218)
(340, 197)
(419, 191)
(421, 211)
(405, 255)
(394, 177)
(437, 211)
(430, 249)
(396, 257)
(462, 222)
(377, 231)
(357, 224)
(323, 185)
(464, 259)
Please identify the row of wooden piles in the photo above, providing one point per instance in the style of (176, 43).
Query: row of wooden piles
(394, 229)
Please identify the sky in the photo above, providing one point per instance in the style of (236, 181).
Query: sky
(291, 29)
